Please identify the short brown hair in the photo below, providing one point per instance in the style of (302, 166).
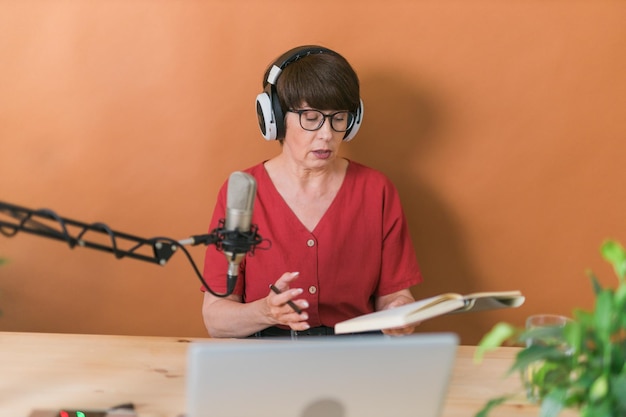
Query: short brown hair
(324, 81)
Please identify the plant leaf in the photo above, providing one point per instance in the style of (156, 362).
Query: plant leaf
(599, 388)
(500, 333)
(597, 288)
(491, 405)
(552, 403)
(618, 386)
(573, 335)
(536, 353)
(602, 409)
(615, 254)
(602, 315)
(620, 297)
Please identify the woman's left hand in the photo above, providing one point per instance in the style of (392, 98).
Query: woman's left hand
(394, 300)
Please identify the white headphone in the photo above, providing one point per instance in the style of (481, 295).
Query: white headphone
(269, 112)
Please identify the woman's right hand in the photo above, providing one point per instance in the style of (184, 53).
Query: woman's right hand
(279, 309)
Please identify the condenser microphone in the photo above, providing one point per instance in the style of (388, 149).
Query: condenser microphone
(240, 196)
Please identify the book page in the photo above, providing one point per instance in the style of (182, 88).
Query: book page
(491, 300)
(497, 294)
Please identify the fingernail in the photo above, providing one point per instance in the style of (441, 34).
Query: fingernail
(294, 274)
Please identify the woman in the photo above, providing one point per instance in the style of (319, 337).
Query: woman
(340, 245)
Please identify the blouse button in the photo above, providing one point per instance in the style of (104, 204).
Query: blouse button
(312, 289)
(310, 243)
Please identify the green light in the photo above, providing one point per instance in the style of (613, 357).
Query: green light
(80, 414)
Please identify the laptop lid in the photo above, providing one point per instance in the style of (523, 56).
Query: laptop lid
(347, 376)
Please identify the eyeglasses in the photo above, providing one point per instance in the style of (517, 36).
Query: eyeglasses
(312, 120)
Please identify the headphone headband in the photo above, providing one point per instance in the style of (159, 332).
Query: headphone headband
(292, 56)
(269, 111)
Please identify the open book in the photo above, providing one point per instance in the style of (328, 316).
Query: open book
(428, 308)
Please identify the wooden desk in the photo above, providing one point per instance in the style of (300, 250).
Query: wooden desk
(51, 371)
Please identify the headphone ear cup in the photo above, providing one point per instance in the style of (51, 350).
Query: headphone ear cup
(277, 113)
(267, 121)
(350, 134)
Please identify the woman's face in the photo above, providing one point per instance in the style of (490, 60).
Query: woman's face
(311, 149)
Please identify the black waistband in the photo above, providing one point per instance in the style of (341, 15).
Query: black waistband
(313, 331)
(278, 332)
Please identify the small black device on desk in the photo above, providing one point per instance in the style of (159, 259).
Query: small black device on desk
(123, 410)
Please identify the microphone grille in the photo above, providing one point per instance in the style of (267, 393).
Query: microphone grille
(241, 191)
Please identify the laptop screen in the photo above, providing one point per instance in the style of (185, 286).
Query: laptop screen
(346, 376)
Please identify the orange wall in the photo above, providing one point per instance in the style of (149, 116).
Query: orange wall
(503, 125)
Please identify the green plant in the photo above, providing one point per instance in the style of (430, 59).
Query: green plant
(590, 375)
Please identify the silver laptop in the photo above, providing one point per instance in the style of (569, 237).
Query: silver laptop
(346, 376)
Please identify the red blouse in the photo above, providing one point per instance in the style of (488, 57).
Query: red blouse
(360, 249)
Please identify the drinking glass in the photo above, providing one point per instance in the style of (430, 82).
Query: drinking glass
(543, 330)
